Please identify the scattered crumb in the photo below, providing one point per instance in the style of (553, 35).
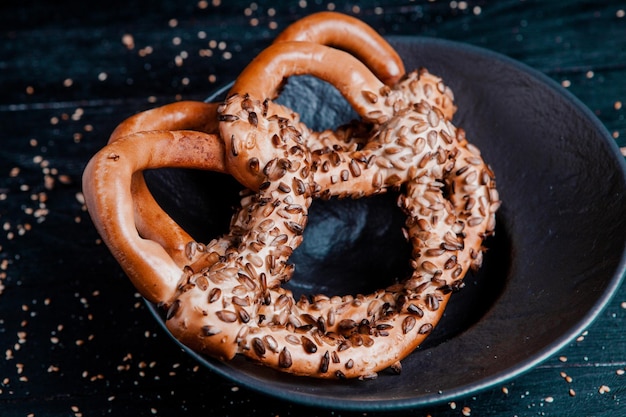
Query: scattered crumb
(128, 41)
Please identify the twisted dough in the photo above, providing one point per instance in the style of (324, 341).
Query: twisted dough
(250, 101)
(225, 298)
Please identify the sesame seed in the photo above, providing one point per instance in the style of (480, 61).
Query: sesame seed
(549, 399)
(128, 41)
(145, 51)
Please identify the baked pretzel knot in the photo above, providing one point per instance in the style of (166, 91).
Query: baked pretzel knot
(226, 297)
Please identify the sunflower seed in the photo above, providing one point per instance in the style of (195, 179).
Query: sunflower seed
(284, 358)
(226, 316)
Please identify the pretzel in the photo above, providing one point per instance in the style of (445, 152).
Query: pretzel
(225, 298)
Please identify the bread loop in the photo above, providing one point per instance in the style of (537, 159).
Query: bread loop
(350, 34)
(153, 260)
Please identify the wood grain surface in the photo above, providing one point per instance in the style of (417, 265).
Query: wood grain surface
(76, 338)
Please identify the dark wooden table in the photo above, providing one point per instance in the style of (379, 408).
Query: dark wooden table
(76, 338)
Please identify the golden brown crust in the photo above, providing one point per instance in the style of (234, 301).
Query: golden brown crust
(264, 75)
(352, 35)
(183, 115)
(152, 263)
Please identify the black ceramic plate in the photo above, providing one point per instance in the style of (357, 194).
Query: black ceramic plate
(557, 257)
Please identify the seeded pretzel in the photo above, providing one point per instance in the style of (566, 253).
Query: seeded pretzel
(228, 299)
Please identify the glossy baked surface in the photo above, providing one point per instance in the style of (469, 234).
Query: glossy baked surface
(75, 337)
